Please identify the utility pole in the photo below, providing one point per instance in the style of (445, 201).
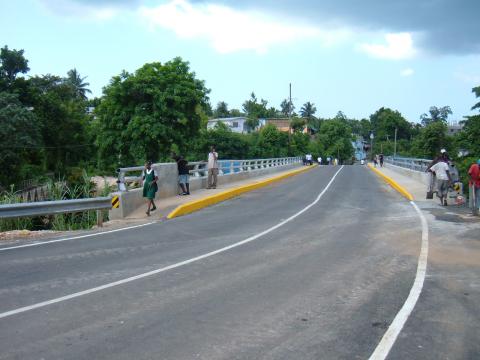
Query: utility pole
(289, 117)
(395, 145)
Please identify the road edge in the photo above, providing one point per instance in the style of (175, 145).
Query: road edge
(404, 192)
(199, 204)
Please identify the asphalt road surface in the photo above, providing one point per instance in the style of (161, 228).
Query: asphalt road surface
(323, 285)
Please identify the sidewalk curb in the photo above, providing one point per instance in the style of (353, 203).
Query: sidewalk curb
(199, 204)
(392, 183)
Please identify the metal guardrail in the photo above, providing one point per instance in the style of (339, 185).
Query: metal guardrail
(199, 168)
(409, 163)
(11, 211)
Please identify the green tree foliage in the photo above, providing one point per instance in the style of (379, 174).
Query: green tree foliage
(12, 63)
(298, 124)
(256, 110)
(20, 134)
(142, 115)
(63, 121)
(270, 143)
(307, 112)
(431, 139)
(384, 122)
(78, 83)
(221, 111)
(336, 139)
(287, 108)
(230, 145)
(436, 114)
(470, 136)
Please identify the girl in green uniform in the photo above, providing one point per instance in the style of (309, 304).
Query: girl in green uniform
(150, 186)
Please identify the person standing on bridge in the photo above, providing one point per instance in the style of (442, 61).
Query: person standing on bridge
(474, 175)
(150, 186)
(183, 174)
(444, 180)
(212, 166)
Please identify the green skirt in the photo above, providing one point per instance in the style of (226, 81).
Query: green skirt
(149, 191)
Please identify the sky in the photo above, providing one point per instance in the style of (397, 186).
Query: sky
(342, 55)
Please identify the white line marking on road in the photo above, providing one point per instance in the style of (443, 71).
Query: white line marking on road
(170, 267)
(74, 237)
(389, 338)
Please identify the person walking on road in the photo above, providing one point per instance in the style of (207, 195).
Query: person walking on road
(183, 174)
(319, 160)
(212, 169)
(380, 158)
(474, 182)
(150, 186)
(444, 180)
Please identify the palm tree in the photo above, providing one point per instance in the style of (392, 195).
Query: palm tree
(79, 86)
(307, 111)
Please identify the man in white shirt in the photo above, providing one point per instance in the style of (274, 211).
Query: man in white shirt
(212, 167)
(442, 172)
(319, 160)
(309, 159)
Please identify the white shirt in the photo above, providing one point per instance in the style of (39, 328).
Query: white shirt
(212, 160)
(308, 157)
(440, 170)
(319, 159)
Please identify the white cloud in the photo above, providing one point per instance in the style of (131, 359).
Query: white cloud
(229, 30)
(82, 10)
(407, 72)
(398, 46)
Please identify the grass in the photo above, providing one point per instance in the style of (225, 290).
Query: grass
(77, 188)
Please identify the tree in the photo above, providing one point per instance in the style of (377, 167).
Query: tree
(336, 138)
(12, 63)
(221, 111)
(287, 108)
(471, 129)
(436, 114)
(20, 134)
(255, 110)
(144, 114)
(307, 112)
(431, 139)
(78, 84)
(63, 120)
(298, 124)
(384, 122)
(271, 143)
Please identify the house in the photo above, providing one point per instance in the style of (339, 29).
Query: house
(283, 124)
(236, 124)
(454, 127)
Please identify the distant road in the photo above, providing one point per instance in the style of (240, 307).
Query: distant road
(323, 285)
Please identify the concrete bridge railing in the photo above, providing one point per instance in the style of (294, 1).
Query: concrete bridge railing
(130, 191)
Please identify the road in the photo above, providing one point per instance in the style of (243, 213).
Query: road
(323, 285)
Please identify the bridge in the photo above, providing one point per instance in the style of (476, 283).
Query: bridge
(332, 263)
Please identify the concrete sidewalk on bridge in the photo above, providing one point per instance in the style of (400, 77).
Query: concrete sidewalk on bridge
(415, 187)
(166, 205)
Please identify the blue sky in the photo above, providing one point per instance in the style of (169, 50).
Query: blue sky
(340, 55)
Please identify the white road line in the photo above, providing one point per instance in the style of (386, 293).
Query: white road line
(170, 267)
(389, 338)
(74, 237)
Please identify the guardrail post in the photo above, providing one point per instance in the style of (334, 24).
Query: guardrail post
(99, 218)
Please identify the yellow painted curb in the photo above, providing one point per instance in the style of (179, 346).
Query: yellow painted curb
(392, 183)
(195, 205)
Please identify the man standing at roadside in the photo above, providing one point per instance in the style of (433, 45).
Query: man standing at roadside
(212, 167)
(474, 174)
(183, 174)
(441, 170)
